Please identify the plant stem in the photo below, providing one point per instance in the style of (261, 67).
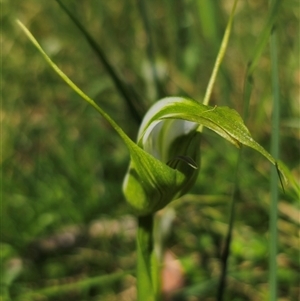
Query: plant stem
(150, 47)
(220, 56)
(147, 265)
(274, 187)
(226, 251)
(129, 95)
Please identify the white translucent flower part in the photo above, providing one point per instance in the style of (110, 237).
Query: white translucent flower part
(175, 143)
(158, 140)
(158, 137)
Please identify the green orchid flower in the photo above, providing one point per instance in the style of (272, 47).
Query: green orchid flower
(170, 134)
(175, 143)
(164, 160)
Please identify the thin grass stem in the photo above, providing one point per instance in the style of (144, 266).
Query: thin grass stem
(226, 251)
(150, 47)
(129, 95)
(220, 56)
(273, 183)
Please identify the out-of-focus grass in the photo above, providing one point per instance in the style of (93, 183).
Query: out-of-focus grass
(62, 165)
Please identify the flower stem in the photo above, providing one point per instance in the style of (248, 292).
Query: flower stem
(147, 264)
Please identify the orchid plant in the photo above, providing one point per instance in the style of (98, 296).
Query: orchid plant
(164, 162)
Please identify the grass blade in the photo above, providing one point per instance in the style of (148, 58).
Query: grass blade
(275, 152)
(226, 252)
(260, 46)
(220, 56)
(150, 49)
(263, 37)
(262, 41)
(81, 285)
(130, 96)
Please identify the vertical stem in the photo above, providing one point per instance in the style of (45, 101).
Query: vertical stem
(119, 83)
(219, 59)
(150, 47)
(147, 267)
(220, 56)
(274, 187)
(226, 251)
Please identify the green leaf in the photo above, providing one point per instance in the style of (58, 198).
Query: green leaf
(224, 121)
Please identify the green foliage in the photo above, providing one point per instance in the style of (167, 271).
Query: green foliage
(149, 184)
(67, 171)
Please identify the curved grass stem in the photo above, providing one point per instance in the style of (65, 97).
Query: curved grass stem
(131, 145)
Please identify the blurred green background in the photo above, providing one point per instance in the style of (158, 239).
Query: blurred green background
(64, 220)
